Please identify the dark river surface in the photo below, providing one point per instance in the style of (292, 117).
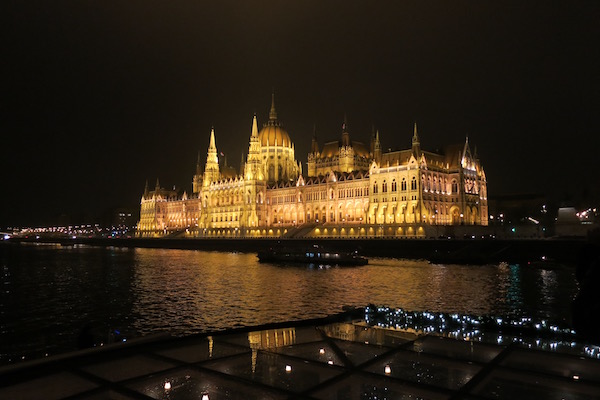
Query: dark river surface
(50, 293)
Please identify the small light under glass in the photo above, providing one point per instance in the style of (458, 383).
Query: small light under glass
(321, 351)
(167, 385)
(288, 368)
(387, 370)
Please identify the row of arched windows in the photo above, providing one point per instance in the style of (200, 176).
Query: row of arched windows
(394, 186)
(355, 192)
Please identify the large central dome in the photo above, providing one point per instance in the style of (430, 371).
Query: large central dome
(272, 132)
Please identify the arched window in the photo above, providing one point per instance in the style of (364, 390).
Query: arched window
(403, 185)
(271, 172)
(454, 187)
(384, 187)
(375, 188)
(394, 186)
(413, 183)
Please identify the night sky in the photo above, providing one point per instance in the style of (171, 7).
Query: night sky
(99, 97)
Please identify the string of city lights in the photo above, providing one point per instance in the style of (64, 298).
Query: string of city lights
(523, 331)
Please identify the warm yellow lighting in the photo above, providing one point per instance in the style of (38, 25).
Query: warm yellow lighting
(321, 351)
(167, 385)
(387, 370)
(288, 368)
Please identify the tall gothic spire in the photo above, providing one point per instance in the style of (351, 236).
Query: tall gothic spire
(273, 113)
(212, 145)
(211, 170)
(377, 147)
(416, 144)
(345, 134)
(255, 126)
(415, 138)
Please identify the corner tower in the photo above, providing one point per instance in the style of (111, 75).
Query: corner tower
(211, 170)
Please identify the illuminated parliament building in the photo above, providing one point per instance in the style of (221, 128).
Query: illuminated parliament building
(349, 190)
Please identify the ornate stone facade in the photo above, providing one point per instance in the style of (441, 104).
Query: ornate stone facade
(348, 191)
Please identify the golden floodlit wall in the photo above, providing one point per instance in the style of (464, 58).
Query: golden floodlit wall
(349, 191)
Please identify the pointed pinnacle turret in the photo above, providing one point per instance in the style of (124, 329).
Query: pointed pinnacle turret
(211, 144)
(415, 138)
(157, 185)
(254, 127)
(273, 113)
(377, 147)
(345, 134)
(416, 145)
(146, 190)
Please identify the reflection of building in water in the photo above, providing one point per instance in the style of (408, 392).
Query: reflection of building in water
(269, 339)
(349, 190)
(272, 338)
(343, 331)
(360, 332)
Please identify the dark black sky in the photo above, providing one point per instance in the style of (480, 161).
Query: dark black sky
(100, 96)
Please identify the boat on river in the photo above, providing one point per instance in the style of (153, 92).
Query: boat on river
(312, 255)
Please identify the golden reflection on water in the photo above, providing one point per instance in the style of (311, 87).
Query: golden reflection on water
(192, 291)
(50, 293)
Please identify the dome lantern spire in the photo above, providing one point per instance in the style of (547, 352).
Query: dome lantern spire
(273, 113)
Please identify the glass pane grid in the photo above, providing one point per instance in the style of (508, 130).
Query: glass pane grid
(190, 384)
(561, 365)
(317, 351)
(425, 369)
(203, 350)
(502, 383)
(340, 362)
(287, 373)
(456, 349)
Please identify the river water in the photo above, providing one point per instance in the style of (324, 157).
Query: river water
(50, 293)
